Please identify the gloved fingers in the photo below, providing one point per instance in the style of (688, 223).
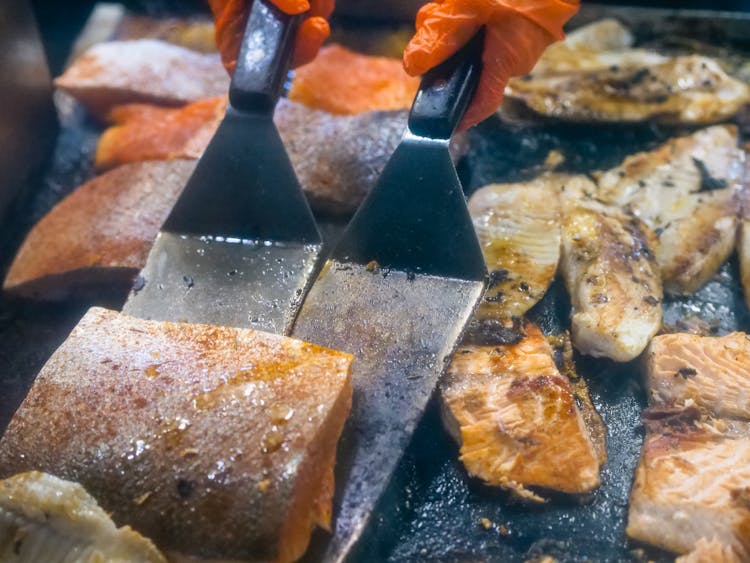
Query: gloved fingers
(550, 15)
(230, 17)
(322, 8)
(292, 6)
(512, 46)
(312, 34)
(442, 29)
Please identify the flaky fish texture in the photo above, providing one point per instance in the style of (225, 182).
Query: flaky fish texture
(142, 71)
(214, 442)
(611, 275)
(686, 191)
(518, 226)
(516, 420)
(712, 373)
(710, 551)
(46, 519)
(692, 484)
(597, 75)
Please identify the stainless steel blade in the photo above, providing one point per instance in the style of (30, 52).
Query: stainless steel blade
(223, 281)
(402, 330)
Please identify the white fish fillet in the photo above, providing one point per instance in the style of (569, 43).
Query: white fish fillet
(611, 276)
(518, 226)
(44, 519)
(686, 192)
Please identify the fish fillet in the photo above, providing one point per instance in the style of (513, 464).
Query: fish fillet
(692, 484)
(710, 551)
(687, 89)
(99, 235)
(686, 192)
(45, 519)
(518, 226)
(611, 275)
(213, 442)
(142, 71)
(516, 420)
(712, 373)
(743, 239)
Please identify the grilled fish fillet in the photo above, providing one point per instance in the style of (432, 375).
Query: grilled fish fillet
(710, 551)
(743, 239)
(610, 273)
(518, 226)
(515, 418)
(45, 519)
(688, 89)
(712, 373)
(100, 234)
(142, 71)
(692, 484)
(686, 192)
(214, 442)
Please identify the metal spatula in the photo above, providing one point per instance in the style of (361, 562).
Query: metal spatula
(240, 246)
(397, 293)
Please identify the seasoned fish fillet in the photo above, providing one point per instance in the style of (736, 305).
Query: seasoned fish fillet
(688, 89)
(142, 71)
(599, 45)
(45, 519)
(214, 442)
(743, 238)
(712, 373)
(611, 275)
(692, 484)
(686, 192)
(518, 226)
(100, 234)
(341, 81)
(516, 420)
(709, 551)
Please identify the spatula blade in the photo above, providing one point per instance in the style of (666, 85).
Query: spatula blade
(402, 330)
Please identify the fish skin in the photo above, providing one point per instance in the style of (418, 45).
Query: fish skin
(515, 419)
(611, 275)
(214, 442)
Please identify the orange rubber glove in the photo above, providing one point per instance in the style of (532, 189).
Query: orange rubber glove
(517, 33)
(230, 17)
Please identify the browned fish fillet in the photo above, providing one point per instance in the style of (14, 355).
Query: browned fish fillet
(515, 418)
(688, 89)
(45, 519)
(692, 484)
(712, 373)
(743, 239)
(686, 192)
(100, 234)
(710, 551)
(212, 441)
(518, 226)
(611, 275)
(142, 71)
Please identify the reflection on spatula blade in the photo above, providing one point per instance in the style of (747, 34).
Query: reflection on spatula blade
(398, 292)
(241, 245)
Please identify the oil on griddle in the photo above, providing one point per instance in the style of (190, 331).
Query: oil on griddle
(433, 511)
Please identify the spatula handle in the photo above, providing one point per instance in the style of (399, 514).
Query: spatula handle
(264, 59)
(446, 92)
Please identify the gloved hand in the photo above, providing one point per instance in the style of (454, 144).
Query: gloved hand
(517, 33)
(230, 17)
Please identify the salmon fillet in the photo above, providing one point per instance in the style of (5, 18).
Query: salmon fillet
(515, 418)
(518, 226)
(142, 71)
(214, 442)
(692, 484)
(685, 191)
(46, 519)
(611, 275)
(343, 82)
(100, 234)
(712, 373)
